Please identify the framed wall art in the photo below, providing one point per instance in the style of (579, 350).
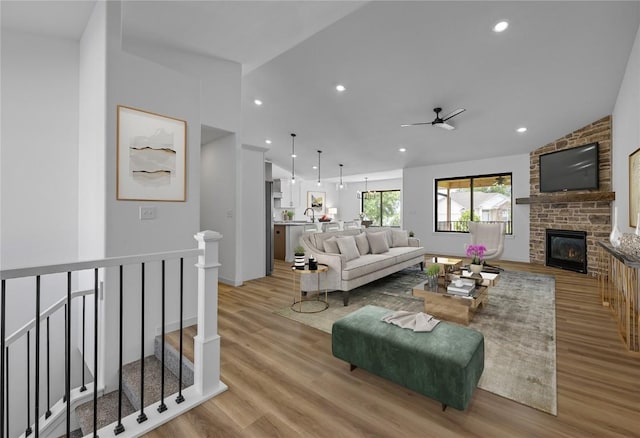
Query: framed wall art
(316, 201)
(151, 156)
(634, 187)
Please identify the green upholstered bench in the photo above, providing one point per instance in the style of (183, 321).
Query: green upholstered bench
(444, 364)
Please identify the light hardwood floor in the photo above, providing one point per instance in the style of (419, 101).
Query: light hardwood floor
(283, 380)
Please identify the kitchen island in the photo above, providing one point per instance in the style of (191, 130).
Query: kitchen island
(286, 236)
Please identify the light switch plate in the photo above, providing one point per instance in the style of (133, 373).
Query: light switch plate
(147, 213)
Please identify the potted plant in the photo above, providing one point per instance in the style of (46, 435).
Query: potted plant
(298, 262)
(432, 272)
(411, 233)
(476, 252)
(290, 214)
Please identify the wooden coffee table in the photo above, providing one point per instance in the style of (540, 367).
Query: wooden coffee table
(455, 308)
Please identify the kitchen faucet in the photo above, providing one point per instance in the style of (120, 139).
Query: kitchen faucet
(313, 213)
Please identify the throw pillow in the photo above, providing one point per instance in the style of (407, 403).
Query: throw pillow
(399, 238)
(362, 243)
(331, 246)
(348, 248)
(386, 233)
(378, 243)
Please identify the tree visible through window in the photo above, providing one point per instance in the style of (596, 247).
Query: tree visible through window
(483, 198)
(382, 208)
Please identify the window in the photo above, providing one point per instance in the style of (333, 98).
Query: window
(483, 198)
(382, 207)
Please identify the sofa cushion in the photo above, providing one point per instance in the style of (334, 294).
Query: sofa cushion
(362, 243)
(367, 264)
(331, 245)
(347, 246)
(404, 253)
(399, 238)
(385, 231)
(378, 243)
(317, 239)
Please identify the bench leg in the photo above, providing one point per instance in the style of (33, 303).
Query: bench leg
(352, 367)
(444, 407)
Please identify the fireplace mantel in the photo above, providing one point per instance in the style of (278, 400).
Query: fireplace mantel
(568, 197)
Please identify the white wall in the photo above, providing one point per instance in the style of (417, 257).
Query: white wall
(418, 204)
(626, 134)
(38, 202)
(218, 200)
(252, 215)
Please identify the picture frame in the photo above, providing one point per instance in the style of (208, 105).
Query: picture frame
(151, 156)
(634, 187)
(317, 201)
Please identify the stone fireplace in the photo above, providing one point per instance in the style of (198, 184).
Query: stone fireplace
(566, 249)
(586, 211)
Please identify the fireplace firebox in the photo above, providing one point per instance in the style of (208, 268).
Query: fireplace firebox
(567, 249)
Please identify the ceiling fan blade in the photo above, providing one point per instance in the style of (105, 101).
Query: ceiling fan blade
(415, 124)
(446, 126)
(453, 114)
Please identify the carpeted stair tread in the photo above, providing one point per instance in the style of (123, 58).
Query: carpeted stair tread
(107, 412)
(172, 361)
(152, 375)
(74, 434)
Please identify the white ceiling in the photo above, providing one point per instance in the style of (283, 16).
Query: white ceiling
(557, 68)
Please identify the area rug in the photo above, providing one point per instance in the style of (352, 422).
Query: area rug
(518, 325)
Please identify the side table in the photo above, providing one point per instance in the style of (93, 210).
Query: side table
(297, 291)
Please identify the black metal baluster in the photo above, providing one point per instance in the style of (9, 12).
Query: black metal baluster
(3, 307)
(180, 398)
(48, 413)
(142, 417)
(162, 407)
(95, 352)
(28, 430)
(67, 346)
(7, 387)
(119, 427)
(36, 410)
(83, 388)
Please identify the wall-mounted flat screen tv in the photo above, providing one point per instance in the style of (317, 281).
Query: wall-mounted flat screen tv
(570, 169)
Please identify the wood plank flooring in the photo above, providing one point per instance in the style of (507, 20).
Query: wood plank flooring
(283, 380)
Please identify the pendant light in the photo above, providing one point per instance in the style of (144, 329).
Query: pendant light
(319, 152)
(367, 194)
(341, 186)
(293, 158)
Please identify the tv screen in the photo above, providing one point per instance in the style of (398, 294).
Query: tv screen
(570, 169)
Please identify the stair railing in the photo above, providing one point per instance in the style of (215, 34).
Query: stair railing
(207, 382)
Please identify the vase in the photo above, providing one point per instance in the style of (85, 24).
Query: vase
(476, 269)
(298, 261)
(615, 235)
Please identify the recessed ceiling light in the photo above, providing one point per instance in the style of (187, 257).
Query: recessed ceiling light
(521, 129)
(501, 26)
(257, 102)
(314, 167)
(403, 149)
(340, 87)
(267, 141)
(293, 155)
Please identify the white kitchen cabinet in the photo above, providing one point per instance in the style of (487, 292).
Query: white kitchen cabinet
(290, 194)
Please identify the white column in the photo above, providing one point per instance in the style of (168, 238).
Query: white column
(207, 342)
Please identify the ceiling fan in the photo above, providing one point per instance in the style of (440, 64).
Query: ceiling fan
(440, 122)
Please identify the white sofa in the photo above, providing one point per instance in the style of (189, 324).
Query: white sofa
(347, 272)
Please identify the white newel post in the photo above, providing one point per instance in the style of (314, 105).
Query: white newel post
(207, 342)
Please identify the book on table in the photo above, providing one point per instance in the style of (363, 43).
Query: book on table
(465, 289)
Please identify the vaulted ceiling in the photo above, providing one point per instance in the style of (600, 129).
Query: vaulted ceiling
(556, 68)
